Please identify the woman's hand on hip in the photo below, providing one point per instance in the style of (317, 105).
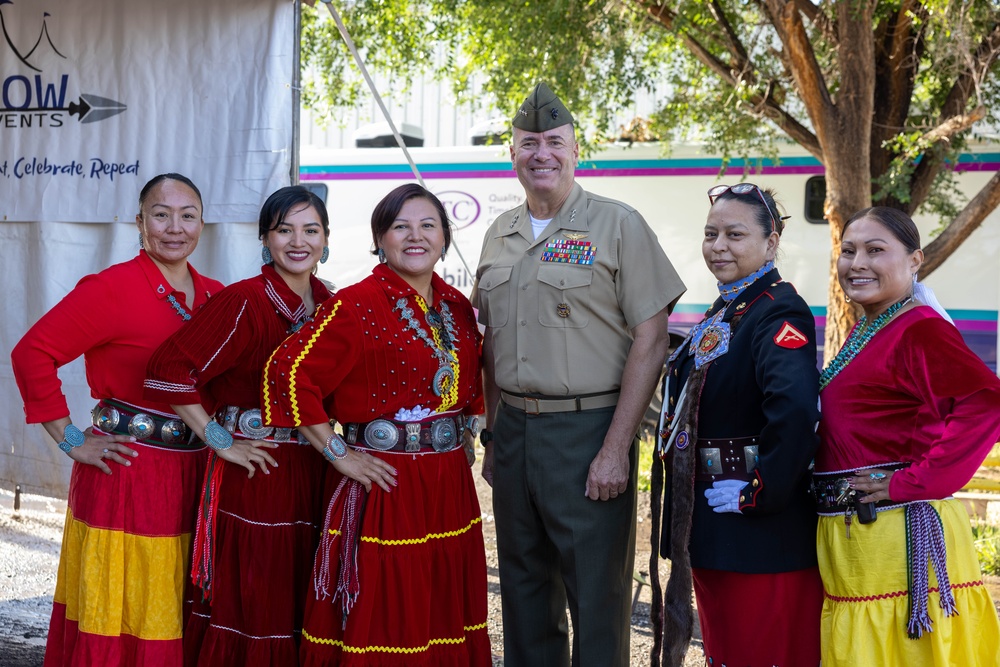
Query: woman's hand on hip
(98, 449)
(366, 469)
(250, 453)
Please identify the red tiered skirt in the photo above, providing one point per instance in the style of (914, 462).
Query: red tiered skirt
(125, 558)
(266, 531)
(421, 569)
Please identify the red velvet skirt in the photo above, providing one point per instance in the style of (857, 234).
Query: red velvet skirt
(266, 531)
(760, 620)
(421, 567)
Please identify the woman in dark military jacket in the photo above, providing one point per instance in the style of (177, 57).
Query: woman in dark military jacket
(737, 439)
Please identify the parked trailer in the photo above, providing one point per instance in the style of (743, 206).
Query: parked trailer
(477, 184)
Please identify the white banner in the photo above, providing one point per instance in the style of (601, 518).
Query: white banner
(98, 96)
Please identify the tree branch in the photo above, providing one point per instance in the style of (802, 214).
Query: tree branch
(954, 106)
(971, 217)
(818, 17)
(762, 104)
(805, 70)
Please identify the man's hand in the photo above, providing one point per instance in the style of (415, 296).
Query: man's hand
(608, 475)
(488, 464)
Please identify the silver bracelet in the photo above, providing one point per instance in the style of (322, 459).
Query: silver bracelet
(335, 448)
(72, 437)
(217, 437)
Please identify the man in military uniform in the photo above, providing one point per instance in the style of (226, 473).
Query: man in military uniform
(574, 292)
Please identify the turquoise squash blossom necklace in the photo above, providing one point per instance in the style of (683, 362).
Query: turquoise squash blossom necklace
(860, 336)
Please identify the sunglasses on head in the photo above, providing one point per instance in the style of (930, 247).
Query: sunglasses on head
(742, 189)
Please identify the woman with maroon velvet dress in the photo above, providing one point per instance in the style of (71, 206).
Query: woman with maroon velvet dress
(261, 501)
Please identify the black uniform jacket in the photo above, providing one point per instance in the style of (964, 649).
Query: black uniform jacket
(766, 385)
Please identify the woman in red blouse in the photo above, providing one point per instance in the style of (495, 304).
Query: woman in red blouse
(256, 533)
(400, 574)
(134, 485)
(909, 414)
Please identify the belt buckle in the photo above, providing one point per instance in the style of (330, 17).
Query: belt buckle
(537, 410)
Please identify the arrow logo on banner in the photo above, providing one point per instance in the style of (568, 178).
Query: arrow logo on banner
(92, 108)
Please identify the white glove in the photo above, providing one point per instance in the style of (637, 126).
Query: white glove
(724, 496)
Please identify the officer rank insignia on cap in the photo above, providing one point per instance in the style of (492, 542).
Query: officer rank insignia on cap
(542, 111)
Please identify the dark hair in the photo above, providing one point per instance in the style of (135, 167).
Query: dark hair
(387, 210)
(898, 223)
(156, 180)
(283, 201)
(765, 211)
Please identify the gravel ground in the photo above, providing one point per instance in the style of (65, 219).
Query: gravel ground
(29, 557)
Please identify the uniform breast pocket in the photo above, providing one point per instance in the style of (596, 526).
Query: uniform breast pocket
(564, 296)
(495, 295)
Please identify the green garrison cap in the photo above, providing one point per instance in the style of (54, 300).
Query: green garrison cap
(542, 111)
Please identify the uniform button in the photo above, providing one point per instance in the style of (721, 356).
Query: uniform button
(523, 323)
(755, 483)
(742, 499)
(562, 282)
(524, 358)
(531, 253)
(524, 287)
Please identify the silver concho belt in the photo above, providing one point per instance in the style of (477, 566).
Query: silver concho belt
(121, 418)
(385, 435)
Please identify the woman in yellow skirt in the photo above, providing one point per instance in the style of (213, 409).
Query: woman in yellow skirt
(909, 414)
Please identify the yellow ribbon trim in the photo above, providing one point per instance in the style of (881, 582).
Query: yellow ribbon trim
(421, 540)
(291, 373)
(393, 649)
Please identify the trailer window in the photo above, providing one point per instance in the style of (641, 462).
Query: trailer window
(815, 198)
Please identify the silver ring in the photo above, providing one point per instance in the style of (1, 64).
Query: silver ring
(105, 453)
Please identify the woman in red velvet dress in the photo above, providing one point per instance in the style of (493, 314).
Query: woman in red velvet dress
(909, 414)
(400, 574)
(119, 596)
(257, 529)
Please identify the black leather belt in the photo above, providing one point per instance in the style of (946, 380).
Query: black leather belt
(152, 428)
(833, 494)
(440, 435)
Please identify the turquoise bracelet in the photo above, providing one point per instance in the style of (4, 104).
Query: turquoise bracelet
(335, 448)
(217, 437)
(72, 437)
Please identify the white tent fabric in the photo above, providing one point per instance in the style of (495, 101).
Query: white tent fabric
(207, 88)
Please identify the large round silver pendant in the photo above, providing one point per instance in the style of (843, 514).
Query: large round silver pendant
(443, 380)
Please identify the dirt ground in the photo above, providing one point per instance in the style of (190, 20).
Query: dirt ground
(29, 557)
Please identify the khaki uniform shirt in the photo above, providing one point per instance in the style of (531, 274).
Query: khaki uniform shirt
(563, 328)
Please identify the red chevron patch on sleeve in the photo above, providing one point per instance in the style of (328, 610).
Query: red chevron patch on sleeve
(790, 337)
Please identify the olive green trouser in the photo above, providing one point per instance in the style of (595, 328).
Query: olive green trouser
(556, 546)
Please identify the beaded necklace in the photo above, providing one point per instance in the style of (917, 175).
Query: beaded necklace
(445, 383)
(860, 335)
(185, 315)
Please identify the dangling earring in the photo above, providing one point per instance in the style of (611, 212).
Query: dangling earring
(141, 244)
(443, 251)
(847, 298)
(381, 256)
(265, 254)
(325, 256)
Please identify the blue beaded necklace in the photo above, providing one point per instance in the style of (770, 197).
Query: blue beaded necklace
(860, 335)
